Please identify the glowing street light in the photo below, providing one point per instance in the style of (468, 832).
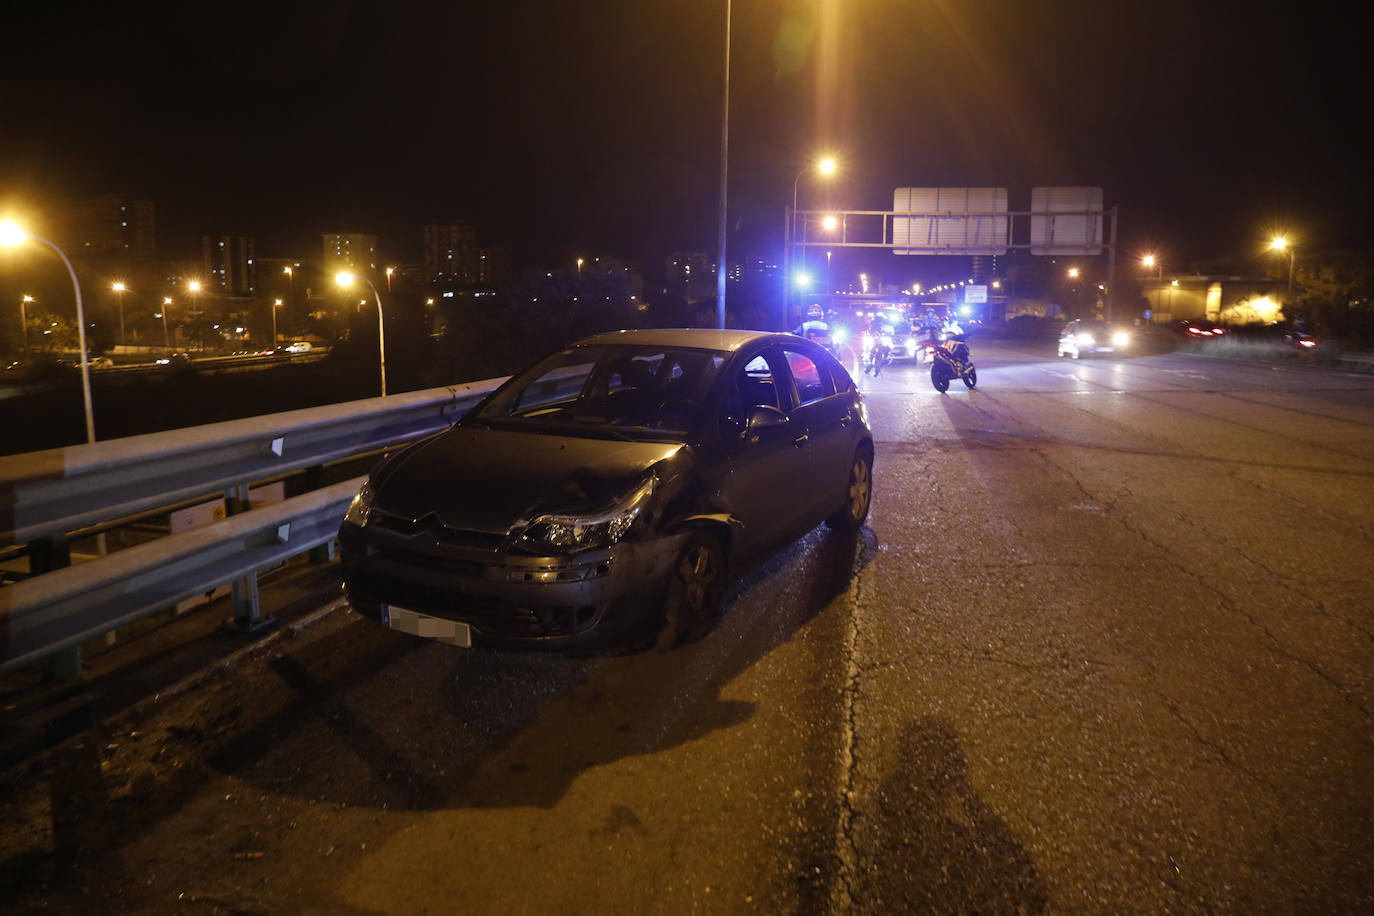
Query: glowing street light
(825, 167)
(11, 234)
(1073, 273)
(276, 304)
(389, 272)
(346, 280)
(802, 280)
(829, 223)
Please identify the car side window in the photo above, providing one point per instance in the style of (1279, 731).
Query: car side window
(754, 385)
(812, 380)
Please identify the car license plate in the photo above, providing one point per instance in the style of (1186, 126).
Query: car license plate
(453, 632)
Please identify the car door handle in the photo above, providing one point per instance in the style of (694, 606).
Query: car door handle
(801, 440)
(847, 418)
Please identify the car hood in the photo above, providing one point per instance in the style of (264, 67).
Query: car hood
(489, 480)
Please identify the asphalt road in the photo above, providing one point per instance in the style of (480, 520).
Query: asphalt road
(1104, 647)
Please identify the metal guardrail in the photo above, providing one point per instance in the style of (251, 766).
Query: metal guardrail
(46, 495)
(62, 609)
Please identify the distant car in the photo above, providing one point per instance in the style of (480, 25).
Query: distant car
(101, 362)
(604, 496)
(175, 360)
(1092, 337)
(1196, 329)
(300, 346)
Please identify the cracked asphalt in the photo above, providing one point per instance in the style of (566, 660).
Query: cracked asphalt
(1104, 647)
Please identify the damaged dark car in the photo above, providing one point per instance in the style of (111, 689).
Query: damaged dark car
(603, 497)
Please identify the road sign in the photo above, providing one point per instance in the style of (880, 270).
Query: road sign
(976, 293)
(1066, 221)
(950, 221)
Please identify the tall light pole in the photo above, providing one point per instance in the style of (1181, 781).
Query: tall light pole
(119, 288)
(824, 166)
(1280, 243)
(1151, 261)
(389, 272)
(346, 280)
(276, 304)
(193, 288)
(724, 175)
(166, 340)
(11, 234)
(24, 321)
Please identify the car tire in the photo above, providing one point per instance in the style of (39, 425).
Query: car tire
(971, 379)
(939, 378)
(696, 587)
(859, 494)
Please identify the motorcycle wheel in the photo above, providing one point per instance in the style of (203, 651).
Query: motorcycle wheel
(971, 377)
(939, 377)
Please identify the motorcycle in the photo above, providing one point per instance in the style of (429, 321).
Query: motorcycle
(877, 352)
(952, 360)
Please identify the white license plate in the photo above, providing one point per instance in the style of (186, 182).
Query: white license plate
(453, 632)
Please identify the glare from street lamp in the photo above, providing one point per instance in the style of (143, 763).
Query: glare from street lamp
(826, 166)
(344, 279)
(28, 298)
(829, 223)
(287, 271)
(1278, 243)
(803, 280)
(11, 233)
(1148, 260)
(118, 286)
(193, 286)
(1073, 272)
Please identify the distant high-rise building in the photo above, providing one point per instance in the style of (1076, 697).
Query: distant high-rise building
(495, 264)
(110, 226)
(351, 252)
(451, 254)
(229, 263)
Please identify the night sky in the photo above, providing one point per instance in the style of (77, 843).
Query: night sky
(568, 128)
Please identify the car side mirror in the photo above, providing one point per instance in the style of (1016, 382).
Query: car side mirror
(760, 418)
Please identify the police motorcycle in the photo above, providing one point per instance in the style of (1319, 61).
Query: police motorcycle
(927, 338)
(877, 348)
(952, 360)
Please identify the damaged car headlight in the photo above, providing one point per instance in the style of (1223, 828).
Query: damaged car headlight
(361, 508)
(571, 532)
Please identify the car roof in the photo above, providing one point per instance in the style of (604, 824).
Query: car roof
(727, 340)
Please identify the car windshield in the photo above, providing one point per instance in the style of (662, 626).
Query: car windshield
(624, 391)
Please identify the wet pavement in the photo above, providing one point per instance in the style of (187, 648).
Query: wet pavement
(1105, 646)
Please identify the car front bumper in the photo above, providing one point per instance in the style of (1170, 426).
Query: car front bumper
(594, 599)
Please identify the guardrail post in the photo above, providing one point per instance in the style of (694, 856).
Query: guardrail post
(46, 555)
(314, 480)
(247, 607)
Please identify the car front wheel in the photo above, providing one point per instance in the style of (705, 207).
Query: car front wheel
(859, 495)
(696, 586)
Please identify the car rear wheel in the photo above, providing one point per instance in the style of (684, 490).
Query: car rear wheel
(696, 586)
(859, 496)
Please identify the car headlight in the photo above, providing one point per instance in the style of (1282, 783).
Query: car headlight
(568, 533)
(886, 341)
(1086, 340)
(1121, 338)
(361, 508)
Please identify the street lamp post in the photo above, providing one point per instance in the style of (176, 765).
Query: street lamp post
(166, 340)
(346, 280)
(24, 321)
(825, 166)
(1280, 243)
(119, 288)
(389, 272)
(193, 288)
(11, 234)
(276, 304)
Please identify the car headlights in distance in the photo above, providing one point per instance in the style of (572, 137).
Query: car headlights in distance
(1086, 340)
(361, 507)
(569, 533)
(1120, 339)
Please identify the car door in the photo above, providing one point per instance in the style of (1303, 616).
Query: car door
(765, 486)
(827, 419)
